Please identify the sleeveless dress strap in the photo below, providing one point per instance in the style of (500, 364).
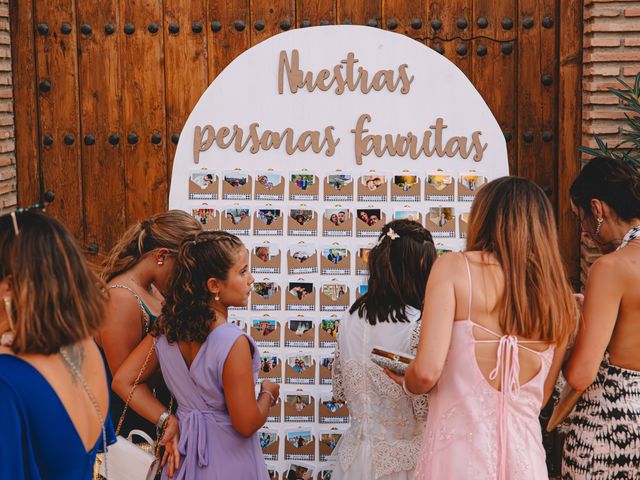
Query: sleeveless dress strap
(466, 261)
(144, 310)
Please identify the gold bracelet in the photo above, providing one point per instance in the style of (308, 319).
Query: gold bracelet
(273, 399)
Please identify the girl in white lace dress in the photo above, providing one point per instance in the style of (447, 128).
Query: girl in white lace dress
(385, 436)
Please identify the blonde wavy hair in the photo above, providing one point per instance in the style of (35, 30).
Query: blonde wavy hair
(512, 218)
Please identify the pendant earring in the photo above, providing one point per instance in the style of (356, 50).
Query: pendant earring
(7, 337)
(217, 297)
(600, 221)
(160, 262)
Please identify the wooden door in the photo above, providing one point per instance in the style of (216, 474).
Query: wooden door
(103, 87)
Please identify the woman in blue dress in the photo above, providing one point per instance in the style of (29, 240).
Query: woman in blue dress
(54, 396)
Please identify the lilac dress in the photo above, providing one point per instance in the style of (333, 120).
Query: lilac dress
(210, 447)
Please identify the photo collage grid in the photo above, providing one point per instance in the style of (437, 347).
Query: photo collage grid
(309, 236)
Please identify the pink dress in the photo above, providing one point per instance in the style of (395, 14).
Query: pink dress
(474, 431)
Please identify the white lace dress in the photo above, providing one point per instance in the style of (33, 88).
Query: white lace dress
(385, 436)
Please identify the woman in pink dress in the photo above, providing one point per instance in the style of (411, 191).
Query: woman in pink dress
(495, 325)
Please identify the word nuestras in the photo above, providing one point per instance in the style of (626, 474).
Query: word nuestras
(342, 77)
(236, 137)
(432, 143)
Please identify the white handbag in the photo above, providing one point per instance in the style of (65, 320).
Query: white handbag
(127, 461)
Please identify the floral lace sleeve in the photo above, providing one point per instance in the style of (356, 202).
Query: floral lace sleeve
(336, 374)
(420, 402)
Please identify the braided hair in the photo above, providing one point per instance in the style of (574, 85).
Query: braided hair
(399, 266)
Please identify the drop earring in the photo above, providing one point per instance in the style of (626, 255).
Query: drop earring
(599, 221)
(217, 297)
(6, 339)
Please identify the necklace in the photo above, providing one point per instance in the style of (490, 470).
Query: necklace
(632, 234)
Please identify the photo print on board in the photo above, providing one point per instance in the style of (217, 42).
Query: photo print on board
(203, 185)
(299, 406)
(332, 411)
(328, 442)
(441, 249)
(325, 364)
(268, 186)
(265, 296)
(265, 258)
(338, 187)
(464, 224)
(369, 221)
(361, 290)
(269, 443)
(468, 185)
(236, 185)
(268, 221)
(441, 222)
(299, 333)
(270, 367)
(372, 188)
(335, 260)
(337, 222)
(405, 188)
(328, 331)
(208, 217)
(302, 259)
(300, 445)
(439, 187)
(302, 222)
(408, 214)
(298, 471)
(236, 220)
(334, 297)
(301, 296)
(303, 186)
(275, 411)
(362, 260)
(265, 331)
(300, 369)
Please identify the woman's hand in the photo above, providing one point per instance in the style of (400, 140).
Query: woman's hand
(399, 379)
(272, 388)
(170, 439)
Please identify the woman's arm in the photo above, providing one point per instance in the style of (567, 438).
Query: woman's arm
(601, 304)
(247, 414)
(143, 401)
(556, 365)
(437, 323)
(123, 329)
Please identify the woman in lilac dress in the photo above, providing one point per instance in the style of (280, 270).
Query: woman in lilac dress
(209, 365)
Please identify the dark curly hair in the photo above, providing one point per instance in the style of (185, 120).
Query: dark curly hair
(398, 272)
(611, 180)
(187, 314)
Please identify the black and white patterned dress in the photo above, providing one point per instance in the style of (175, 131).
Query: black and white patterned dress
(603, 439)
(603, 436)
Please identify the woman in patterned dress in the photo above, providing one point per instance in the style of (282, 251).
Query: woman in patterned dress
(603, 441)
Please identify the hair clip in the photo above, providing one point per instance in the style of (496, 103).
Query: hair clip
(47, 199)
(392, 235)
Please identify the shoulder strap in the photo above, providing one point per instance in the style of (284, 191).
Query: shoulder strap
(143, 308)
(93, 400)
(466, 261)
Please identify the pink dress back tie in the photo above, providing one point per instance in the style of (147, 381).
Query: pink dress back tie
(476, 431)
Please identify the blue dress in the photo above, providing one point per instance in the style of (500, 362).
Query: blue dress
(37, 437)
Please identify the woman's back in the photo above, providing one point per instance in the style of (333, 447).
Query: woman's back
(213, 448)
(624, 346)
(483, 412)
(386, 426)
(50, 427)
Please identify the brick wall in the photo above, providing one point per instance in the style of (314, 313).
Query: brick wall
(7, 145)
(611, 49)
